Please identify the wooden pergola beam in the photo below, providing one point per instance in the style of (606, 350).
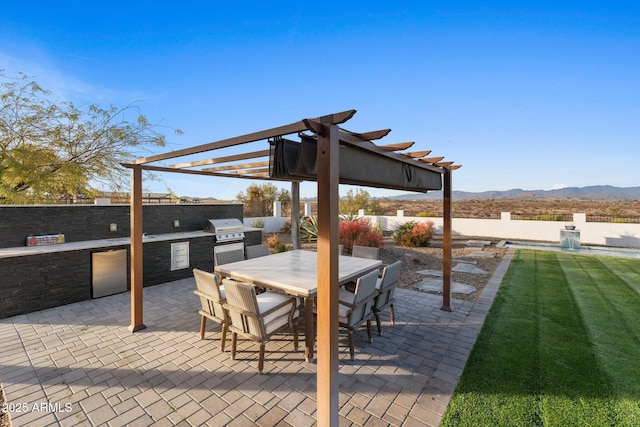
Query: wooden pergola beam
(376, 134)
(243, 139)
(240, 174)
(443, 164)
(397, 146)
(195, 172)
(431, 160)
(237, 167)
(315, 125)
(236, 157)
(417, 154)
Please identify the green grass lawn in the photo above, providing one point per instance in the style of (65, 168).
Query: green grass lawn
(559, 347)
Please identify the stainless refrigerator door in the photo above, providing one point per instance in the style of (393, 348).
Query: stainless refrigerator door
(109, 273)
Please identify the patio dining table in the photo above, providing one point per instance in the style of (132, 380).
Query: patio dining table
(296, 273)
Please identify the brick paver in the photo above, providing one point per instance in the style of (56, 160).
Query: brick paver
(79, 365)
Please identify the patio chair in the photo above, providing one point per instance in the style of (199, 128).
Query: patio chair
(365, 252)
(258, 317)
(356, 308)
(385, 288)
(212, 297)
(256, 251)
(362, 252)
(229, 256)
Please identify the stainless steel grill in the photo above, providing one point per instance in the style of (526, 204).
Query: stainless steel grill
(225, 230)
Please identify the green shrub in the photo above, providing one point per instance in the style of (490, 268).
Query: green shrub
(309, 228)
(547, 217)
(414, 234)
(280, 247)
(257, 223)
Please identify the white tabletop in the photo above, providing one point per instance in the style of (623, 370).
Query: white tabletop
(295, 272)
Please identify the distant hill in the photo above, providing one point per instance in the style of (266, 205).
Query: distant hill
(595, 192)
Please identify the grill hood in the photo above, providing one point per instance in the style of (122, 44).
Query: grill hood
(226, 229)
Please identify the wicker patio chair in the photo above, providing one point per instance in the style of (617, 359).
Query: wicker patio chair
(365, 252)
(258, 317)
(356, 308)
(385, 288)
(362, 252)
(256, 251)
(212, 297)
(229, 256)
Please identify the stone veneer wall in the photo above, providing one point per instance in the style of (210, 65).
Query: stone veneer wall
(91, 222)
(38, 281)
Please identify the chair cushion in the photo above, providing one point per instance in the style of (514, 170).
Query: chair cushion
(278, 322)
(343, 313)
(346, 296)
(379, 283)
(268, 300)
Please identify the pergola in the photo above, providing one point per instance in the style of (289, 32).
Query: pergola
(330, 155)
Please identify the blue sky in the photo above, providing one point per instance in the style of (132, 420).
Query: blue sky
(531, 95)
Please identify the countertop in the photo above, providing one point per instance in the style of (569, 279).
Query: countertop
(95, 244)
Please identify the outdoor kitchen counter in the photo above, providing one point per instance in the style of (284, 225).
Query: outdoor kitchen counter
(101, 243)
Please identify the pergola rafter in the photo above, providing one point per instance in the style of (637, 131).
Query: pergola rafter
(238, 166)
(243, 156)
(416, 173)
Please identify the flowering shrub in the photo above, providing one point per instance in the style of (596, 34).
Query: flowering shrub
(414, 234)
(358, 232)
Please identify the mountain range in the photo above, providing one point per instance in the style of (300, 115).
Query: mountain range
(595, 192)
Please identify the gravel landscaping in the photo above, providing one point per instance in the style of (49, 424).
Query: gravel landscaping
(466, 248)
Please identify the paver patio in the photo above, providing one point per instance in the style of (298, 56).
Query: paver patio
(79, 365)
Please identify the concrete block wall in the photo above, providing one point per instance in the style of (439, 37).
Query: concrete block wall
(592, 233)
(39, 281)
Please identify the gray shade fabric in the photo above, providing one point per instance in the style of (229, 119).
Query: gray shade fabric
(297, 161)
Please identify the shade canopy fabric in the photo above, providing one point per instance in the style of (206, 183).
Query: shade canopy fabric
(297, 161)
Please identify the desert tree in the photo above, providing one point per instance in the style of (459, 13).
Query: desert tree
(52, 150)
(258, 199)
(360, 199)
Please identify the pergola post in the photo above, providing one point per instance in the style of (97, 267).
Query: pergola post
(327, 313)
(295, 214)
(136, 250)
(446, 242)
